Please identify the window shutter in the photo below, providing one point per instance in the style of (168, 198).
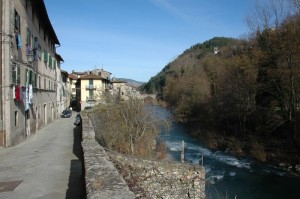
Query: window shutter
(17, 21)
(50, 61)
(45, 56)
(26, 76)
(35, 80)
(28, 39)
(54, 64)
(30, 77)
(13, 73)
(18, 75)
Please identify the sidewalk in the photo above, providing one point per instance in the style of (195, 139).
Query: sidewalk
(46, 166)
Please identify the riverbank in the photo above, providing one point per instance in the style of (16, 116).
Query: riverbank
(278, 153)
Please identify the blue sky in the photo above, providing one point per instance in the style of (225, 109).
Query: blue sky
(136, 38)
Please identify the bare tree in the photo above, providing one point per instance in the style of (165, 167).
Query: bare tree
(126, 126)
(268, 14)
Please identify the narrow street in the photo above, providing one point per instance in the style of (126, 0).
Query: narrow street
(47, 165)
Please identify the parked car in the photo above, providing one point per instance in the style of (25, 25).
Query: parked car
(77, 120)
(66, 113)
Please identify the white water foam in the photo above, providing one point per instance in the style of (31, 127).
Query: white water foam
(195, 157)
(232, 173)
(230, 160)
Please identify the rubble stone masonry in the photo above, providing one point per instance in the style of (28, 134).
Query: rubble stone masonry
(112, 175)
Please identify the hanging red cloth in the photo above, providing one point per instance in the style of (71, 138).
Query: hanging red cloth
(17, 93)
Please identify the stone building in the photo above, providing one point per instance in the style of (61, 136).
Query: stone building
(29, 70)
(122, 90)
(90, 89)
(63, 95)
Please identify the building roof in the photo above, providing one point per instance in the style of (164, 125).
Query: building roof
(101, 70)
(91, 76)
(72, 76)
(118, 81)
(40, 7)
(64, 72)
(59, 57)
(78, 73)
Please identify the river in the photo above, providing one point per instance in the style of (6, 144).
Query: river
(227, 176)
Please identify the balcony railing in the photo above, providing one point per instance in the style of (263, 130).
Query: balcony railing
(90, 87)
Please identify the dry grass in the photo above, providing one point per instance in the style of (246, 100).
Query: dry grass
(257, 151)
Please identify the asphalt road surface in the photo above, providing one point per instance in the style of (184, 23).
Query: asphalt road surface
(46, 166)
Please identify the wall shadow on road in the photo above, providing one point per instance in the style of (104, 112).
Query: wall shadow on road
(76, 185)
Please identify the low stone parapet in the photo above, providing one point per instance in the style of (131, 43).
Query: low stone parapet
(109, 174)
(102, 179)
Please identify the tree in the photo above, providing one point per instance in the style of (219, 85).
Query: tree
(277, 33)
(127, 127)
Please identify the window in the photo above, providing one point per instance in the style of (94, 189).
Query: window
(16, 118)
(39, 51)
(50, 61)
(17, 21)
(54, 64)
(45, 83)
(40, 86)
(91, 94)
(15, 73)
(35, 80)
(30, 77)
(26, 76)
(28, 38)
(45, 56)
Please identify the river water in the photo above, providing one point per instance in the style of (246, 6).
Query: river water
(227, 176)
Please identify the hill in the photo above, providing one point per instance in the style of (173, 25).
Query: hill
(236, 93)
(190, 58)
(131, 82)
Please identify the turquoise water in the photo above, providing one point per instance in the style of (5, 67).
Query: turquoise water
(227, 176)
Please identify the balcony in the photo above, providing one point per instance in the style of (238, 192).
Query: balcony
(90, 87)
(90, 98)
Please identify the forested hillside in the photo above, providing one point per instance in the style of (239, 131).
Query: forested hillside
(243, 89)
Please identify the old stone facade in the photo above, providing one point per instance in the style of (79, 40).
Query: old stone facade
(29, 70)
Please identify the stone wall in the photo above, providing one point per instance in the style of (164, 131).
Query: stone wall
(161, 179)
(102, 179)
(110, 175)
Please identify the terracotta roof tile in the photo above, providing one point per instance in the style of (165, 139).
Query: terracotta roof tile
(91, 76)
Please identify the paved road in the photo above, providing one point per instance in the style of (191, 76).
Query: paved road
(48, 164)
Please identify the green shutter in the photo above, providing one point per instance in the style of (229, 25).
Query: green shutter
(13, 73)
(26, 76)
(30, 77)
(45, 56)
(50, 61)
(18, 75)
(35, 80)
(28, 39)
(54, 64)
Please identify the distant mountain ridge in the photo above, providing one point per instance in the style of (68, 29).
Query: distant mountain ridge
(131, 82)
